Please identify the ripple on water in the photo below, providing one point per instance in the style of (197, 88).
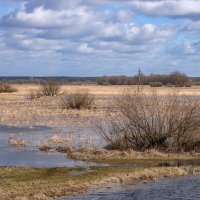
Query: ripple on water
(185, 188)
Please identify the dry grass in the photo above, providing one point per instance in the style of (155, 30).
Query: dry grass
(107, 90)
(30, 183)
(34, 184)
(16, 142)
(16, 109)
(114, 156)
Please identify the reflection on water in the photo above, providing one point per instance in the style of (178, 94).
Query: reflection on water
(35, 136)
(185, 188)
(39, 159)
(29, 155)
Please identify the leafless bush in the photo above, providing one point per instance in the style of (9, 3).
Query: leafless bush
(143, 122)
(6, 88)
(156, 84)
(34, 95)
(50, 88)
(78, 100)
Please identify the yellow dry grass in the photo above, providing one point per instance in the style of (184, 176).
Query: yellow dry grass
(16, 109)
(34, 184)
(114, 156)
(110, 90)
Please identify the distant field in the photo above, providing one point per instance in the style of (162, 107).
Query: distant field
(112, 90)
(16, 109)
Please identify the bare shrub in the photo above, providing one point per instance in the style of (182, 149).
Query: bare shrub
(50, 87)
(156, 84)
(6, 88)
(78, 100)
(142, 122)
(34, 95)
(169, 85)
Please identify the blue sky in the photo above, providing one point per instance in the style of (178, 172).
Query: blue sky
(94, 38)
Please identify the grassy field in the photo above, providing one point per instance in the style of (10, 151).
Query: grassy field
(16, 109)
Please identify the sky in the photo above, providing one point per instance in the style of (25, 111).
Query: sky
(99, 37)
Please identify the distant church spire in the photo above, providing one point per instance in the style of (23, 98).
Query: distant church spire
(139, 79)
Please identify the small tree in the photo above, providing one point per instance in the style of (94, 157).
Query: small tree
(179, 79)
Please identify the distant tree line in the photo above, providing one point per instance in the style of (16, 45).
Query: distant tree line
(175, 78)
(37, 80)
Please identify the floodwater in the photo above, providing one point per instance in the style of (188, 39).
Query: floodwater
(39, 159)
(29, 155)
(184, 188)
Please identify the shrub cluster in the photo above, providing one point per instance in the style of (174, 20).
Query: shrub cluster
(47, 88)
(141, 122)
(6, 88)
(78, 100)
(50, 88)
(156, 84)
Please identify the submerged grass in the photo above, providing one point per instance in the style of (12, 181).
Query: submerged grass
(47, 183)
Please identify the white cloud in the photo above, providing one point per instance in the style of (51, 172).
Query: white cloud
(99, 33)
(46, 18)
(82, 26)
(170, 8)
(185, 48)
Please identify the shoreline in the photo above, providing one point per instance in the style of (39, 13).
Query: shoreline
(23, 183)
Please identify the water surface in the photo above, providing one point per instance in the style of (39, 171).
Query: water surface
(185, 188)
(29, 155)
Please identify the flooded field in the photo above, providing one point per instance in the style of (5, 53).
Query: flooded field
(27, 152)
(187, 188)
(34, 132)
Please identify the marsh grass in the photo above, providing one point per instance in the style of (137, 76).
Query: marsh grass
(66, 144)
(31, 183)
(44, 147)
(16, 142)
(93, 154)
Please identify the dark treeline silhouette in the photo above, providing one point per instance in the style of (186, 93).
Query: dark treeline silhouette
(175, 78)
(37, 80)
(155, 80)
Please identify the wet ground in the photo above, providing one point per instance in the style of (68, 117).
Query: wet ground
(30, 155)
(184, 188)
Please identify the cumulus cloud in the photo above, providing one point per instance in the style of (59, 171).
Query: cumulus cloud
(185, 48)
(81, 32)
(169, 8)
(83, 26)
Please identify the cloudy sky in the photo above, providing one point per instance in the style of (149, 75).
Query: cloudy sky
(98, 37)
